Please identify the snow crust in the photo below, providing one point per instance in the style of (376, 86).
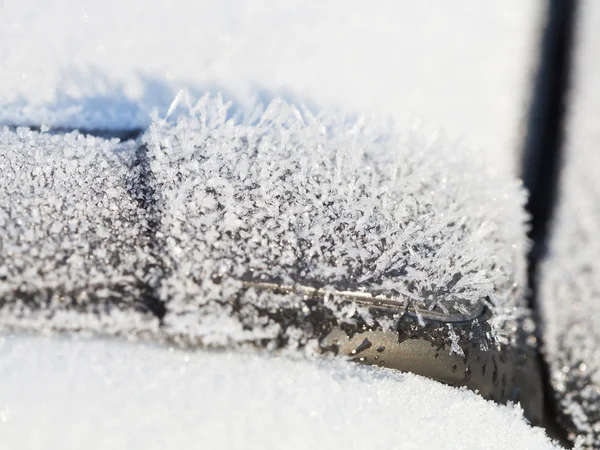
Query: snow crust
(570, 277)
(98, 394)
(94, 64)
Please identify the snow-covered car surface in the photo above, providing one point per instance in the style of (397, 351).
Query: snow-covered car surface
(464, 67)
(101, 394)
(107, 66)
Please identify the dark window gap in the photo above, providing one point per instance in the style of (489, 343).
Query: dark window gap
(542, 154)
(144, 192)
(123, 134)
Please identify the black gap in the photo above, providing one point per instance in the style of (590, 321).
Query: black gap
(145, 196)
(542, 154)
(123, 135)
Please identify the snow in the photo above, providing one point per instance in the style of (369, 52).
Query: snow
(97, 394)
(460, 65)
(570, 281)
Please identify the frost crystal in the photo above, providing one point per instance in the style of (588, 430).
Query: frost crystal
(72, 239)
(221, 227)
(295, 199)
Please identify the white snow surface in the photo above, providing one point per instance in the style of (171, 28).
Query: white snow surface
(461, 65)
(101, 394)
(570, 277)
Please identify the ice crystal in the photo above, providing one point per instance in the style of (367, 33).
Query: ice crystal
(179, 234)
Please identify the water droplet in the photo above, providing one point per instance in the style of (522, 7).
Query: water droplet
(366, 344)
(468, 373)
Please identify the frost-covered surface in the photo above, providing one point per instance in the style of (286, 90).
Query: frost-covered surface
(570, 278)
(461, 64)
(73, 394)
(205, 205)
(106, 65)
(73, 246)
(331, 203)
